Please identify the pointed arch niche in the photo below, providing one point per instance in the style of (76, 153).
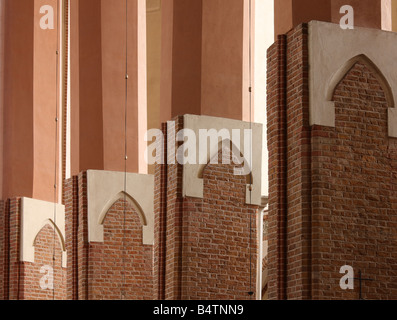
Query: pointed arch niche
(35, 215)
(59, 237)
(334, 51)
(193, 185)
(228, 148)
(345, 69)
(105, 188)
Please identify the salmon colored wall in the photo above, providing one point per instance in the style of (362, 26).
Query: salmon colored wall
(306, 10)
(290, 13)
(394, 15)
(74, 88)
(113, 83)
(367, 13)
(2, 7)
(181, 58)
(167, 16)
(98, 98)
(30, 102)
(282, 16)
(18, 100)
(203, 60)
(222, 58)
(45, 94)
(153, 37)
(186, 57)
(90, 91)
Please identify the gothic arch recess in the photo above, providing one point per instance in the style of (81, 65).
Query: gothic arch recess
(229, 144)
(61, 239)
(121, 196)
(345, 69)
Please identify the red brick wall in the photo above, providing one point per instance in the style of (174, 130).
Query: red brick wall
(208, 245)
(31, 275)
(98, 271)
(332, 196)
(121, 267)
(354, 191)
(219, 251)
(21, 280)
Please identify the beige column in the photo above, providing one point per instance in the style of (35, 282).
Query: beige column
(394, 15)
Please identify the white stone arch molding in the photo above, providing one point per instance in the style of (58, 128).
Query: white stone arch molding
(192, 173)
(105, 188)
(35, 215)
(333, 51)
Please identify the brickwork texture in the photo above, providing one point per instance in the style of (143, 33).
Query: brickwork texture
(332, 198)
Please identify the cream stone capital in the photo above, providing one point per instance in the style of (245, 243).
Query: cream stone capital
(36, 214)
(192, 173)
(333, 51)
(105, 188)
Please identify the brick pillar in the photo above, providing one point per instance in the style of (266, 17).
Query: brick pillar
(160, 210)
(174, 224)
(82, 237)
(332, 177)
(14, 245)
(299, 164)
(290, 167)
(209, 242)
(277, 130)
(354, 191)
(71, 230)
